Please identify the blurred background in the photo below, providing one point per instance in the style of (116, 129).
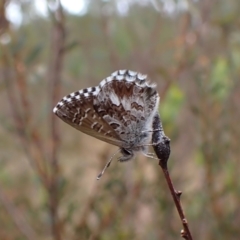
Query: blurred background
(48, 187)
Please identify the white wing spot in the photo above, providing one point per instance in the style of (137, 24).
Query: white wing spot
(92, 126)
(130, 78)
(97, 89)
(102, 83)
(141, 76)
(114, 74)
(89, 90)
(132, 73)
(109, 79)
(119, 77)
(107, 133)
(100, 129)
(114, 98)
(122, 72)
(55, 109)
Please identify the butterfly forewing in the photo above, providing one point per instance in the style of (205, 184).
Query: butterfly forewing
(77, 110)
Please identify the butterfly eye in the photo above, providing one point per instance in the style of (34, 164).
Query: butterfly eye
(126, 151)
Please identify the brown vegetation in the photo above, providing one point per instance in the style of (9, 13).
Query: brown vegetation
(48, 169)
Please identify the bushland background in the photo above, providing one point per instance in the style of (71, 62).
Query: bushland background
(48, 190)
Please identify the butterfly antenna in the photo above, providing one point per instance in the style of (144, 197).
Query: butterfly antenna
(107, 165)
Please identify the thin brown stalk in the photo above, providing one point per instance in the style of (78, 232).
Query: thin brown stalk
(34, 154)
(21, 84)
(161, 146)
(55, 70)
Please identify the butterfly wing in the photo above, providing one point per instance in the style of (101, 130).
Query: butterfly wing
(127, 102)
(77, 110)
(117, 111)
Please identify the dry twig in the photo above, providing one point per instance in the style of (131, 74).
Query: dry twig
(161, 146)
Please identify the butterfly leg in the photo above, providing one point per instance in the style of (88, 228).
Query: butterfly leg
(107, 165)
(150, 155)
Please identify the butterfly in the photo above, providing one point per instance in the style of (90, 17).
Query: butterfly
(119, 111)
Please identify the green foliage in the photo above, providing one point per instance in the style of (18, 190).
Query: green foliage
(220, 82)
(171, 107)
